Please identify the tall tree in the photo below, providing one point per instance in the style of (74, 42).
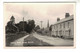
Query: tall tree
(30, 26)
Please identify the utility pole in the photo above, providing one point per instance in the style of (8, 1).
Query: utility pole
(23, 23)
(41, 23)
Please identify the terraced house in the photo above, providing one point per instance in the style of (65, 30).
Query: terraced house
(64, 27)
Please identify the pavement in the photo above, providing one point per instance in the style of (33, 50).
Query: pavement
(54, 41)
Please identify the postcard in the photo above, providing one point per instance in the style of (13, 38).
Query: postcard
(36, 24)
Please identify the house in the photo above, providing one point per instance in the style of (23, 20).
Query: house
(64, 27)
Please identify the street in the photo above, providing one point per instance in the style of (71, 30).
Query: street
(35, 39)
(54, 41)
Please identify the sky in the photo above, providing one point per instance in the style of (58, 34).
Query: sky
(38, 12)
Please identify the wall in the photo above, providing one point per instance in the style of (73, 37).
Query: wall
(65, 29)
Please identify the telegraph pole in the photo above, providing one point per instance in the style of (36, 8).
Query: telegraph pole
(23, 23)
(41, 23)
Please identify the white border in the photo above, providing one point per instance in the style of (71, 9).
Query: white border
(46, 47)
(76, 50)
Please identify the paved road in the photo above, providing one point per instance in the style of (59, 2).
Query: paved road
(35, 39)
(32, 41)
(28, 40)
(54, 41)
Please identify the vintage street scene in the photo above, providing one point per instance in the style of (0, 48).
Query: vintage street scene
(39, 24)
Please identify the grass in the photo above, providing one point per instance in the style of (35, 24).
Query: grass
(12, 37)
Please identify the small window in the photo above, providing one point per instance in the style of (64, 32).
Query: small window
(64, 25)
(60, 25)
(68, 24)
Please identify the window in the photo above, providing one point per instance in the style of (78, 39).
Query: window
(60, 25)
(68, 24)
(64, 25)
(57, 25)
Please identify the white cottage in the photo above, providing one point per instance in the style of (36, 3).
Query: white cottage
(64, 27)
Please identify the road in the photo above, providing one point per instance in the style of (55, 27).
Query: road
(28, 40)
(35, 39)
(54, 41)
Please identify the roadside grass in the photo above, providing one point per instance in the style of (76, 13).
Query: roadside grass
(10, 37)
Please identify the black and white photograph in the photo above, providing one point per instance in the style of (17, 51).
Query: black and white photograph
(37, 24)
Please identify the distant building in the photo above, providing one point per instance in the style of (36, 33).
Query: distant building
(64, 27)
(46, 30)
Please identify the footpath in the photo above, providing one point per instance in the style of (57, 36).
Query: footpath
(54, 41)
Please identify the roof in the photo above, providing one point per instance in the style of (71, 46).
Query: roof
(65, 19)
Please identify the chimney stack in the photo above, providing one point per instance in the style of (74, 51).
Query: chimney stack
(67, 15)
(58, 19)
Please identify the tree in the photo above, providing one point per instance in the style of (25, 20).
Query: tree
(11, 28)
(50, 29)
(37, 27)
(22, 25)
(30, 26)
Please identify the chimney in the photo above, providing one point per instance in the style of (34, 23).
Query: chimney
(67, 15)
(58, 19)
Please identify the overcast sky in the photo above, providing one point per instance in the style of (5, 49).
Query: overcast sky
(37, 11)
